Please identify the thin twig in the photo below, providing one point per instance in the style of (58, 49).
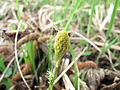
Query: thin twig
(115, 47)
(110, 59)
(66, 80)
(16, 57)
(86, 39)
(27, 38)
(69, 66)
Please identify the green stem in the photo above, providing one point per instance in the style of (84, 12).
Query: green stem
(55, 75)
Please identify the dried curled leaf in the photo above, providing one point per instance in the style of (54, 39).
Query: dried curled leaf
(61, 44)
(4, 50)
(25, 70)
(87, 64)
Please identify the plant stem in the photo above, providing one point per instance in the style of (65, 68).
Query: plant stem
(55, 75)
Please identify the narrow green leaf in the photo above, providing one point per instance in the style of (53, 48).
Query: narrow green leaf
(2, 65)
(77, 4)
(112, 19)
(90, 18)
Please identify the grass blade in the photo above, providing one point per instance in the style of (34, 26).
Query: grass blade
(90, 18)
(77, 4)
(112, 19)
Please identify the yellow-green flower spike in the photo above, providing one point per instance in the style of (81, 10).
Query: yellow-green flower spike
(61, 44)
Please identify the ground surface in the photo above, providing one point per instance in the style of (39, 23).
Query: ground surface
(27, 35)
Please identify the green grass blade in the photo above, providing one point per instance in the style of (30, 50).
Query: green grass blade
(83, 76)
(50, 53)
(109, 45)
(112, 19)
(105, 48)
(2, 66)
(31, 56)
(77, 4)
(90, 18)
(18, 11)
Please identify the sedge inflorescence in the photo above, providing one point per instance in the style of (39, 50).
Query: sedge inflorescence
(61, 44)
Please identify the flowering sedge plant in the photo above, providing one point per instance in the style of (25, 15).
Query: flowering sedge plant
(60, 47)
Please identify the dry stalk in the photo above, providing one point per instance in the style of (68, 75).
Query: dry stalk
(27, 38)
(70, 65)
(16, 57)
